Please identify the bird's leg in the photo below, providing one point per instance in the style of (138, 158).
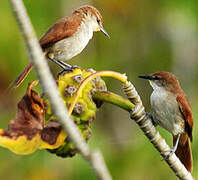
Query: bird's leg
(68, 65)
(61, 64)
(69, 69)
(173, 149)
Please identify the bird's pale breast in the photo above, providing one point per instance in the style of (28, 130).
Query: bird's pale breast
(69, 47)
(166, 111)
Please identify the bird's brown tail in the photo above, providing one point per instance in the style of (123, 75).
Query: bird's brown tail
(22, 75)
(183, 151)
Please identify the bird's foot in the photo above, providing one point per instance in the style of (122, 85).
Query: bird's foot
(149, 115)
(171, 152)
(173, 149)
(68, 69)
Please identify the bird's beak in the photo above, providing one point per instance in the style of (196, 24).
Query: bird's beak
(104, 31)
(146, 77)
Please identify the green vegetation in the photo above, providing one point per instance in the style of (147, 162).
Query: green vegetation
(146, 36)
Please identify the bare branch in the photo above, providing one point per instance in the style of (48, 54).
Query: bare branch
(49, 86)
(145, 123)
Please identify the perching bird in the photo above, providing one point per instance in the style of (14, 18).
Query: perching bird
(67, 38)
(172, 111)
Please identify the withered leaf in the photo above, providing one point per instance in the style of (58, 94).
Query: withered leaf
(27, 132)
(30, 116)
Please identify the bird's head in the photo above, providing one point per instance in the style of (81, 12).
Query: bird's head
(164, 80)
(94, 17)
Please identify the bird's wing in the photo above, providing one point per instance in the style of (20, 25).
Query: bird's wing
(63, 28)
(186, 111)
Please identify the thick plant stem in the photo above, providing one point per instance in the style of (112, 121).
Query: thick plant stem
(114, 99)
(50, 88)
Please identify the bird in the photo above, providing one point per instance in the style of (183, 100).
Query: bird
(172, 111)
(67, 37)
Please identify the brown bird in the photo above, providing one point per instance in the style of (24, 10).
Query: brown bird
(172, 111)
(67, 38)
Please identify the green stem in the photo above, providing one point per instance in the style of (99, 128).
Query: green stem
(113, 98)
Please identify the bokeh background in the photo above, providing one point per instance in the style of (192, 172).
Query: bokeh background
(146, 36)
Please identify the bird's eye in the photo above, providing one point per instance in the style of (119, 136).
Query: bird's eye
(156, 77)
(98, 21)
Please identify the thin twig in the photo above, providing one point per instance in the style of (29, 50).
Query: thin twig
(49, 86)
(145, 123)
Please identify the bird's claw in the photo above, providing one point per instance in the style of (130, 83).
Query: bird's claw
(149, 115)
(68, 69)
(171, 152)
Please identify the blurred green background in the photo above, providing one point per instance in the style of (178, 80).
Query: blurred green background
(146, 36)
